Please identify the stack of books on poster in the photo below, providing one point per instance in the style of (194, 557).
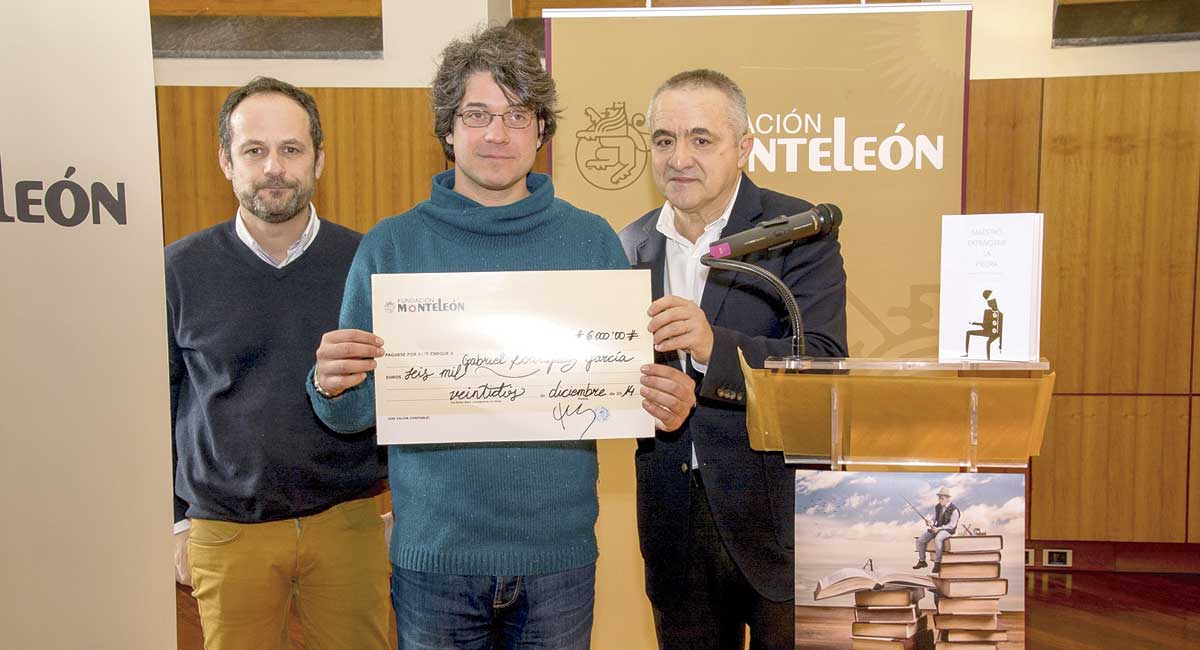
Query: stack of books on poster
(967, 594)
(890, 619)
(886, 611)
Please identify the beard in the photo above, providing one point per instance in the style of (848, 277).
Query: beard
(272, 211)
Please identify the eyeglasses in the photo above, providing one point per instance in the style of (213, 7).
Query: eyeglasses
(478, 119)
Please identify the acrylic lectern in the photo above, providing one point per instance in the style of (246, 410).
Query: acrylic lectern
(899, 412)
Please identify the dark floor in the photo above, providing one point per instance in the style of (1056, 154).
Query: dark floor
(1121, 611)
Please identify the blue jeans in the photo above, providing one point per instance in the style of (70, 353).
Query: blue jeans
(550, 611)
(939, 541)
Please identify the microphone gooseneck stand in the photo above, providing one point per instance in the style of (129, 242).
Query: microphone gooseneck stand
(775, 234)
(795, 360)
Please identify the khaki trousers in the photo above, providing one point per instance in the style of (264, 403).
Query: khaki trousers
(334, 566)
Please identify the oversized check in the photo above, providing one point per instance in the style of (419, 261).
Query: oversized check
(511, 356)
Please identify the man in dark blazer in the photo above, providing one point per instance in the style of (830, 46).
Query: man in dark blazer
(716, 518)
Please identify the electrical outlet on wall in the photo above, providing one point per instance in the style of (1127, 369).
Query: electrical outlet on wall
(1057, 557)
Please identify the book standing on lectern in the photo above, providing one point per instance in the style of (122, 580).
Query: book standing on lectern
(991, 295)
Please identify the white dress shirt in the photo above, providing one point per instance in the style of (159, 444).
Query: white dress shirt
(294, 251)
(684, 275)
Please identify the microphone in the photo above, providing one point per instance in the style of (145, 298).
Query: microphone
(819, 220)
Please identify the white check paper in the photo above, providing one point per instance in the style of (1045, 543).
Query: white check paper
(511, 356)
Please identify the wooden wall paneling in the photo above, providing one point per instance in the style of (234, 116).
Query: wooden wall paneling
(1080, 238)
(1113, 468)
(195, 194)
(1004, 126)
(1184, 191)
(1063, 269)
(1118, 191)
(1119, 262)
(1170, 212)
(751, 3)
(380, 155)
(336, 197)
(291, 8)
(1193, 479)
(418, 154)
(533, 8)
(1057, 513)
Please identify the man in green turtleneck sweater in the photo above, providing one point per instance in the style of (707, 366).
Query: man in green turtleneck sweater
(494, 544)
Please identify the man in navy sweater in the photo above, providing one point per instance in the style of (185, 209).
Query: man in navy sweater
(271, 506)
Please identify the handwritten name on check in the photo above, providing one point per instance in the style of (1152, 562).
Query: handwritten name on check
(511, 356)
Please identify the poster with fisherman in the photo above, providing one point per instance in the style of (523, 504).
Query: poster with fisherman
(908, 561)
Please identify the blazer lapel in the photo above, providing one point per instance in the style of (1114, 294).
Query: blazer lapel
(652, 254)
(747, 209)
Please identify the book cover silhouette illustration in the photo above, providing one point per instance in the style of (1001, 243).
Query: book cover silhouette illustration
(990, 327)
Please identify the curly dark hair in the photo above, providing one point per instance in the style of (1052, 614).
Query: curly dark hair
(268, 85)
(512, 61)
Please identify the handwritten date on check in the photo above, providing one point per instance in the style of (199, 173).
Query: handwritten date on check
(511, 356)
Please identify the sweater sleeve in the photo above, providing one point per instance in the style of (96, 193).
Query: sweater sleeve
(354, 410)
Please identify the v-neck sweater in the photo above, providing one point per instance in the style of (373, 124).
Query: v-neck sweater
(241, 336)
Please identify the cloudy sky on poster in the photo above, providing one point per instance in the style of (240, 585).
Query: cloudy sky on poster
(844, 519)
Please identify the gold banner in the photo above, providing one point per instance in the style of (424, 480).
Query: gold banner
(862, 107)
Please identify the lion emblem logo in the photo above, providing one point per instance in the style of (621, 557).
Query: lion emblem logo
(612, 152)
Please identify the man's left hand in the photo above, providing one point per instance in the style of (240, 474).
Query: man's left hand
(669, 395)
(679, 324)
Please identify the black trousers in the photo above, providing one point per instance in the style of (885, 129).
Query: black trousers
(719, 603)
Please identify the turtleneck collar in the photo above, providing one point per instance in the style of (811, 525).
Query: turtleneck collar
(450, 211)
